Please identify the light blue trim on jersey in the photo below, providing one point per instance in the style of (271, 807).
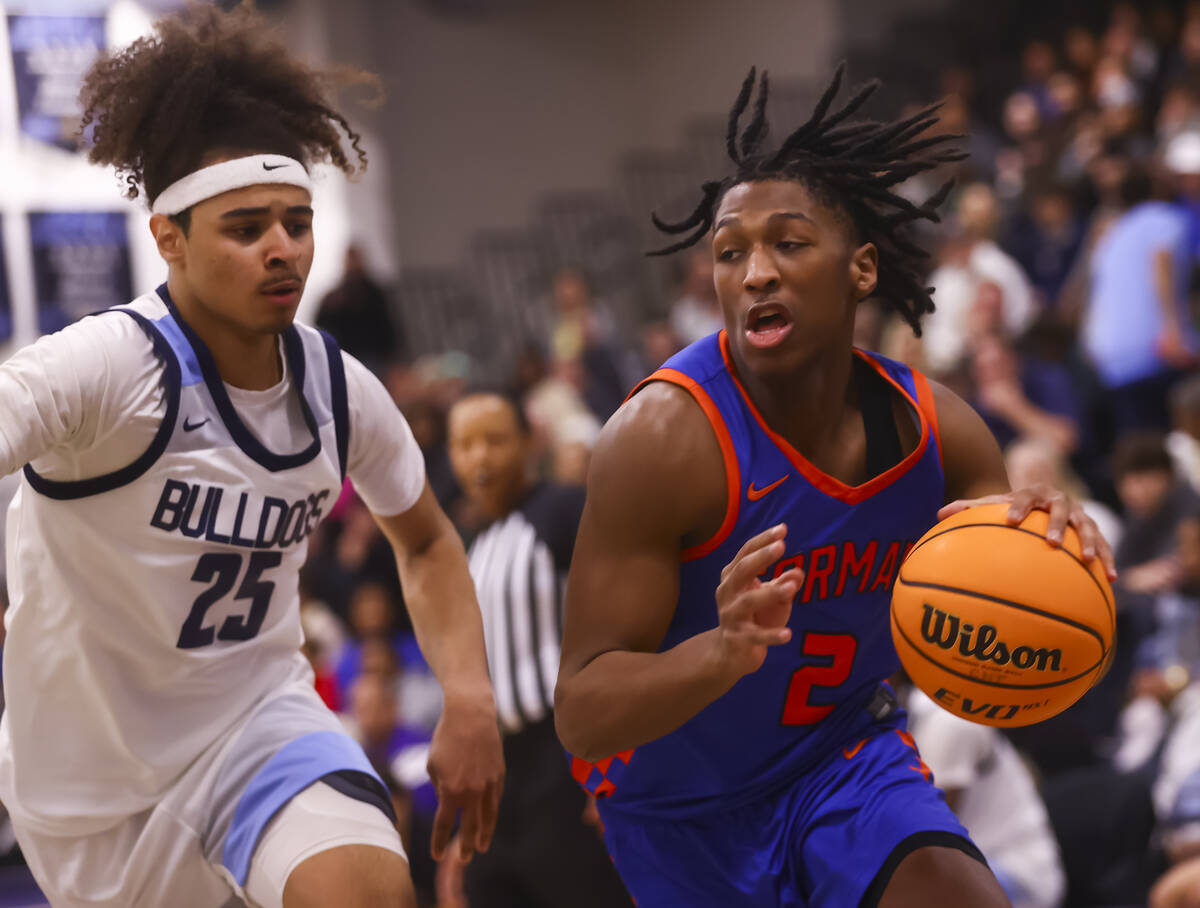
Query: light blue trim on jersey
(285, 775)
(190, 369)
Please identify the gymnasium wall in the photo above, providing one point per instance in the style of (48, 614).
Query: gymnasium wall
(487, 109)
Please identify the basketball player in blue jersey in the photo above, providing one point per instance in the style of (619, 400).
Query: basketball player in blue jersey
(727, 635)
(163, 744)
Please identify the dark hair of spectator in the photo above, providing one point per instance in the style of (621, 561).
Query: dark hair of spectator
(851, 166)
(1136, 186)
(1185, 396)
(1141, 452)
(207, 81)
(514, 404)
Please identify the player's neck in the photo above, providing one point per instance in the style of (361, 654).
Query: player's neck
(809, 405)
(244, 360)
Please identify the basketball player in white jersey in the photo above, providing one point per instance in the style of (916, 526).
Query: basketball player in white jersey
(163, 744)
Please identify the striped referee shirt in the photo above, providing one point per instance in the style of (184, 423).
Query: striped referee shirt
(519, 565)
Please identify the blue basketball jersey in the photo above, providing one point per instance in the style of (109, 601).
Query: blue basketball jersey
(810, 696)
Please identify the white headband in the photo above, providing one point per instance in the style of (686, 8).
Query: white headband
(236, 174)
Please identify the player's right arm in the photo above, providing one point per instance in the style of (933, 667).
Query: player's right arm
(71, 390)
(656, 483)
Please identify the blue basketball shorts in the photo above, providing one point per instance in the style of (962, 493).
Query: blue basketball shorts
(831, 840)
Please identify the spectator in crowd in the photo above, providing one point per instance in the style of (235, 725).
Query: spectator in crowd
(372, 617)
(1181, 157)
(583, 339)
(1136, 328)
(1017, 402)
(969, 258)
(1157, 507)
(560, 420)
(993, 794)
(357, 313)
(1177, 802)
(543, 854)
(696, 313)
(1046, 240)
(1183, 441)
(387, 742)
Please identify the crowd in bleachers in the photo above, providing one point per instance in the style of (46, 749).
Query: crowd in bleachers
(1066, 271)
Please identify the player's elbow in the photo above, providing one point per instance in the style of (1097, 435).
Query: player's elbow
(570, 720)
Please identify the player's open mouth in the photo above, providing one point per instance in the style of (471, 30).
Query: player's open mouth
(767, 324)
(284, 292)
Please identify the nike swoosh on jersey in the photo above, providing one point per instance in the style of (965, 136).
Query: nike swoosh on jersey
(189, 427)
(754, 494)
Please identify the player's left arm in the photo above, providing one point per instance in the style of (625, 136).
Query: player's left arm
(975, 474)
(466, 762)
(387, 467)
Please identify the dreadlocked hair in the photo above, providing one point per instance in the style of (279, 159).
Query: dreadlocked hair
(206, 81)
(850, 165)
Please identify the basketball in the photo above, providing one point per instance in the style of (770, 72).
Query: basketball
(995, 624)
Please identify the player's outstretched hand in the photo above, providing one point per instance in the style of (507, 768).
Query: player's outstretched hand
(1063, 510)
(754, 614)
(466, 766)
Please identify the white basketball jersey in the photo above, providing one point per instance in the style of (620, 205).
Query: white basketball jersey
(153, 607)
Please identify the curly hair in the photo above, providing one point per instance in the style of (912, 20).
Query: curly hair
(207, 81)
(849, 165)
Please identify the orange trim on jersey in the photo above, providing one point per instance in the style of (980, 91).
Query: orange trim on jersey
(733, 478)
(830, 485)
(927, 405)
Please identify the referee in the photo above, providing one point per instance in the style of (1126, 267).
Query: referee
(542, 855)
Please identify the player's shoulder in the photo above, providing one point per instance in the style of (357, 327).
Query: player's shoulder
(365, 390)
(661, 424)
(658, 456)
(971, 456)
(109, 338)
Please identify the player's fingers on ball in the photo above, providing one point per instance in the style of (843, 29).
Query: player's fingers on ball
(962, 504)
(1107, 559)
(1060, 512)
(1020, 504)
(1089, 533)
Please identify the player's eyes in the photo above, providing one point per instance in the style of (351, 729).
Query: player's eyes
(300, 228)
(727, 255)
(790, 245)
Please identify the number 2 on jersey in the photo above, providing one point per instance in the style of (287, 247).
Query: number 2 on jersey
(837, 654)
(221, 569)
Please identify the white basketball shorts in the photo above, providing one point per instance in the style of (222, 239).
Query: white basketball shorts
(234, 827)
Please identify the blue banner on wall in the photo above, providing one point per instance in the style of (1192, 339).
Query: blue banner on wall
(80, 264)
(50, 55)
(5, 302)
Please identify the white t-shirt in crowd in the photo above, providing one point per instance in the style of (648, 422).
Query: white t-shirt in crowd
(998, 802)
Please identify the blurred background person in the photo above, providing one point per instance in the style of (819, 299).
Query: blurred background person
(357, 313)
(992, 792)
(543, 853)
(1137, 329)
(696, 312)
(971, 256)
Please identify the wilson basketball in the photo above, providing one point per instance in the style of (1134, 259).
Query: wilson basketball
(995, 624)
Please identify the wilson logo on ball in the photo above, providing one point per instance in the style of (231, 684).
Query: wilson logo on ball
(944, 630)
